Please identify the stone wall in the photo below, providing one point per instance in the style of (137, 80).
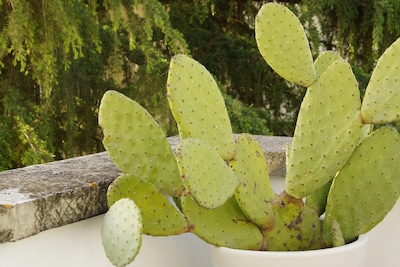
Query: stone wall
(41, 197)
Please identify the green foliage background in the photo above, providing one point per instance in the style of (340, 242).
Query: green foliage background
(58, 57)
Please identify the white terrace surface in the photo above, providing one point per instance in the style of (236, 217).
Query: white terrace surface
(50, 215)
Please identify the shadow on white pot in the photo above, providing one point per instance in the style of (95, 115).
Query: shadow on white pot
(350, 255)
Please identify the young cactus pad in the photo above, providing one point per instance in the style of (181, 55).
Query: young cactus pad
(367, 187)
(225, 226)
(327, 130)
(283, 43)
(159, 216)
(254, 194)
(324, 60)
(198, 106)
(206, 176)
(121, 232)
(317, 199)
(381, 101)
(137, 144)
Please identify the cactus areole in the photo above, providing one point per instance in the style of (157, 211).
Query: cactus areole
(343, 162)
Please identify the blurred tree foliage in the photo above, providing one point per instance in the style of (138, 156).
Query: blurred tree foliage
(58, 57)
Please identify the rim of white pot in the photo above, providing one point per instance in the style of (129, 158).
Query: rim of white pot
(361, 241)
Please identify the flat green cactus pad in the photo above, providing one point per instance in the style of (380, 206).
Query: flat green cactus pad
(381, 103)
(225, 226)
(137, 144)
(283, 43)
(368, 186)
(160, 218)
(297, 226)
(324, 60)
(254, 194)
(327, 131)
(198, 106)
(366, 131)
(337, 235)
(121, 232)
(206, 176)
(317, 200)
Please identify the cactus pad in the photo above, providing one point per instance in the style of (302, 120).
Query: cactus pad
(206, 176)
(324, 60)
(136, 143)
(254, 194)
(367, 187)
(225, 226)
(283, 43)
(337, 235)
(317, 199)
(159, 216)
(121, 232)
(297, 226)
(381, 103)
(327, 131)
(198, 106)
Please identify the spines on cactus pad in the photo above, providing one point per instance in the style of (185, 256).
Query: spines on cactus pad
(327, 130)
(206, 176)
(297, 226)
(381, 103)
(137, 144)
(317, 199)
(198, 106)
(367, 187)
(283, 43)
(254, 193)
(225, 226)
(324, 60)
(121, 232)
(160, 217)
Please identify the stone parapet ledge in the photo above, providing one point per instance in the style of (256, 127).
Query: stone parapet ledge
(41, 197)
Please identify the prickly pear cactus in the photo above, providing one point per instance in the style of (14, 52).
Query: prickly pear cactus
(283, 43)
(336, 160)
(137, 144)
(206, 176)
(367, 187)
(254, 194)
(327, 130)
(381, 101)
(198, 106)
(121, 232)
(224, 226)
(159, 217)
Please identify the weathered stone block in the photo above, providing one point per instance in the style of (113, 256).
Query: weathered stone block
(41, 197)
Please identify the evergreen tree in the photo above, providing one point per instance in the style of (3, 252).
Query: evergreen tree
(359, 30)
(58, 57)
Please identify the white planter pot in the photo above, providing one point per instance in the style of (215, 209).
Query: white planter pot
(351, 255)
